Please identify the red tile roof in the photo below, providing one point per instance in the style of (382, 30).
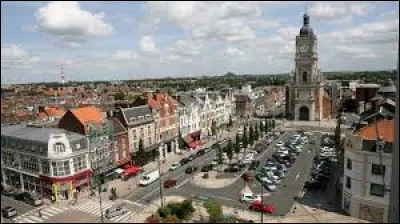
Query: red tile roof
(88, 114)
(385, 130)
(53, 111)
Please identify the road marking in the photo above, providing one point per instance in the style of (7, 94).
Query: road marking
(297, 176)
(181, 184)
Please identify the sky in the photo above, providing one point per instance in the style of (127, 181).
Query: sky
(136, 40)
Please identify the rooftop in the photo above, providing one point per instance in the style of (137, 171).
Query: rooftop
(385, 129)
(38, 134)
(88, 114)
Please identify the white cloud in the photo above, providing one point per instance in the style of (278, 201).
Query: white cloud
(234, 52)
(337, 11)
(124, 55)
(13, 56)
(148, 45)
(66, 19)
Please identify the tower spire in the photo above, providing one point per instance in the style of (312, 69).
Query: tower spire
(62, 74)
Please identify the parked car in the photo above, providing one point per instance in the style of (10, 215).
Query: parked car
(249, 197)
(279, 144)
(315, 185)
(191, 169)
(247, 176)
(115, 212)
(200, 152)
(270, 187)
(206, 150)
(258, 207)
(192, 157)
(232, 169)
(8, 212)
(170, 183)
(184, 161)
(207, 168)
(280, 174)
(254, 165)
(174, 166)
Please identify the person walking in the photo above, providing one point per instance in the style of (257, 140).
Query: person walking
(40, 212)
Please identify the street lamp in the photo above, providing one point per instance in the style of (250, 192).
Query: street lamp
(159, 171)
(262, 203)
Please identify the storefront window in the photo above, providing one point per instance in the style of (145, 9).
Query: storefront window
(45, 167)
(79, 163)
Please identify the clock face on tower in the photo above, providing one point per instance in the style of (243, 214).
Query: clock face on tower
(304, 48)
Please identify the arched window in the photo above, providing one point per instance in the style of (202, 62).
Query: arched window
(304, 76)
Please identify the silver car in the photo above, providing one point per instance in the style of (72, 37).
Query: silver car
(114, 212)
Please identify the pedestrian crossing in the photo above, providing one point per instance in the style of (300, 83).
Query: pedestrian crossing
(93, 207)
(34, 217)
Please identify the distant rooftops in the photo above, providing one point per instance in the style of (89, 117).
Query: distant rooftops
(385, 129)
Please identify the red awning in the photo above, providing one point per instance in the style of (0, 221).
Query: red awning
(195, 134)
(188, 139)
(131, 170)
(68, 178)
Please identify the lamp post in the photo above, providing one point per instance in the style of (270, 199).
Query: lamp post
(262, 203)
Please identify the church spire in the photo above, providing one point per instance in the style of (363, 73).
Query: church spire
(306, 19)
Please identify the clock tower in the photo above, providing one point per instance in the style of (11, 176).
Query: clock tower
(305, 93)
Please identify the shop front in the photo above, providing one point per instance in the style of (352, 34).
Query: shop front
(63, 188)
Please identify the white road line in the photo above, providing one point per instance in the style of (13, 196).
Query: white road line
(36, 218)
(183, 183)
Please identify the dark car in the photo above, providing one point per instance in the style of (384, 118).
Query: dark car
(170, 183)
(207, 168)
(289, 158)
(254, 165)
(241, 165)
(315, 185)
(184, 161)
(8, 212)
(232, 169)
(190, 169)
(192, 157)
(20, 195)
(247, 176)
(200, 152)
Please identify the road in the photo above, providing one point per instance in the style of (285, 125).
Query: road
(20, 206)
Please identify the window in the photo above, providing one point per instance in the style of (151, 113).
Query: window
(377, 190)
(141, 117)
(348, 182)
(349, 164)
(149, 142)
(45, 167)
(378, 169)
(148, 116)
(61, 168)
(78, 145)
(304, 76)
(59, 147)
(29, 164)
(346, 203)
(79, 163)
(149, 129)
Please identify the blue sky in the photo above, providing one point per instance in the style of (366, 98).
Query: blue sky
(134, 40)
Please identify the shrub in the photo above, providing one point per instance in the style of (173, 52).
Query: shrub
(153, 219)
(214, 209)
(172, 219)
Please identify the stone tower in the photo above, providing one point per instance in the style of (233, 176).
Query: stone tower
(305, 93)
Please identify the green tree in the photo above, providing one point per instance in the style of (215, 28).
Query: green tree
(230, 124)
(186, 210)
(266, 127)
(181, 142)
(119, 96)
(251, 135)
(273, 123)
(256, 132)
(262, 127)
(237, 145)
(213, 127)
(244, 138)
(269, 126)
(229, 151)
(141, 157)
(214, 209)
(220, 157)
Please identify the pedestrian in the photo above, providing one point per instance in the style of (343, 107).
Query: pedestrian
(40, 212)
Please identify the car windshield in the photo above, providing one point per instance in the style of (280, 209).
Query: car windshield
(145, 178)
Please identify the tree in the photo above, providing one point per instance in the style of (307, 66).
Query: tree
(251, 135)
(213, 127)
(237, 145)
(141, 157)
(230, 124)
(119, 96)
(229, 151)
(214, 209)
(181, 142)
(256, 132)
(262, 127)
(266, 127)
(269, 125)
(220, 158)
(273, 124)
(245, 139)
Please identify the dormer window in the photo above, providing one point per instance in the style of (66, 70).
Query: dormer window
(59, 148)
(141, 117)
(148, 116)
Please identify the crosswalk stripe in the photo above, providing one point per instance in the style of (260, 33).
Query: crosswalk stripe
(47, 213)
(118, 219)
(26, 220)
(56, 209)
(36, 218)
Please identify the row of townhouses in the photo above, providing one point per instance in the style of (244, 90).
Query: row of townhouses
(87, 142)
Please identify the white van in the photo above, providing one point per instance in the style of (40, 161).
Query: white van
(149, 178)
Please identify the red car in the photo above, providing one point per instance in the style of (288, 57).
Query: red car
(247, 177)
(256, 206)
(170, 183)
